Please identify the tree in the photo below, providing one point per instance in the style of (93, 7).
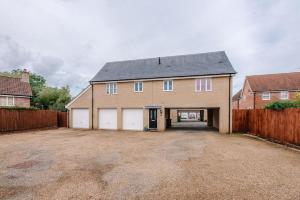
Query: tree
(298, 97)
(37, 83)
(54, 98)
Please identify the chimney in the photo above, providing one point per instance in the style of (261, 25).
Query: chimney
(25, 76)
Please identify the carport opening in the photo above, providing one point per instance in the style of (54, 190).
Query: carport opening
(192, 118)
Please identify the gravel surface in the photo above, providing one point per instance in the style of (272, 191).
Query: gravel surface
(76, 164)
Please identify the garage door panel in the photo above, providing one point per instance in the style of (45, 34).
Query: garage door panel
(80, 118)
(108, 118)
(133, 119)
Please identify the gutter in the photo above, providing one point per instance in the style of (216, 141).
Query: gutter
(254, 97)
(164, 77)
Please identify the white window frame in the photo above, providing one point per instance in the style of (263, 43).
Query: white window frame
(210, 80)
(6, 101)
(206, 80)
(168, 85)
(265, 96)
(284, 95)
(138, 86)
(114, 88)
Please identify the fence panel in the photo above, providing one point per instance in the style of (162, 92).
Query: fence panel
(282, 126)
(62, 119)
(240, 118)
(17, 120)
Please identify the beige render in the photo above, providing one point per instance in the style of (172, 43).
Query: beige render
(182, 96)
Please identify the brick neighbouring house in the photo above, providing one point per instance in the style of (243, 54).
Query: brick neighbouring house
(236, 100)
(259, 90)
(15, 91)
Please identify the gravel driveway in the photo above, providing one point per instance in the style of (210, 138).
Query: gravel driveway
(75, 164)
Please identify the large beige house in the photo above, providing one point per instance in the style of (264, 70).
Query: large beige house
(140, 94)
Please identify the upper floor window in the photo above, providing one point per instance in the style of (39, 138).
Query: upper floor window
(111, 88)
(10, 101)
(3, 101)
(266, 96)
(204, 84)
(138, 86)
(168, 85)
(284, 95)
(7, 101)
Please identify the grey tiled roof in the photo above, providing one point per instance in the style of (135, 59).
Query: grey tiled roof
(213, 63)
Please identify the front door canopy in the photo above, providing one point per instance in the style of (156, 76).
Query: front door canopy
(153, 106)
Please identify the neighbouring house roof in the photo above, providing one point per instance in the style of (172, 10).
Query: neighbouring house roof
(237, 96)
(14, 86)
(274, 82)
(213, 63)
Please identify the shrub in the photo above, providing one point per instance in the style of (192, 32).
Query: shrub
(19, 108)
(280, 105)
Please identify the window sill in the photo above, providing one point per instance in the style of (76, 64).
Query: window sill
(203, 91)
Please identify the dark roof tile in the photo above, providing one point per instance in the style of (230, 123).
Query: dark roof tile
(213, 63)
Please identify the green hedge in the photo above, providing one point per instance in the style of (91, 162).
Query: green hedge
(280, 105)
(19, 108)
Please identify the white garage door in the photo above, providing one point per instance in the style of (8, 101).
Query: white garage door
(133, 119)
(80, 118)
(108, 118)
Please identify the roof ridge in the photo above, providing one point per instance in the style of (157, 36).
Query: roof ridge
(179, 55)
(272, 74)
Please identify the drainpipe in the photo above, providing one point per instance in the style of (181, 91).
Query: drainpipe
(254, 97)
(229, 105)
(67, 118)
(92, 106)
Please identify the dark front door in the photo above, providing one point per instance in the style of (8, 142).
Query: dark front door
(152, 118)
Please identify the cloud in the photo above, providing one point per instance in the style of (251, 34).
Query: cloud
(68, 41)
(14, 56)
(11, 54)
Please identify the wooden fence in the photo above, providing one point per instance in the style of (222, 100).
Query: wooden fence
(17, 120)
(62, 119)
(282, 126)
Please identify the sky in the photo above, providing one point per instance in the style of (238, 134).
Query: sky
(68, 41)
